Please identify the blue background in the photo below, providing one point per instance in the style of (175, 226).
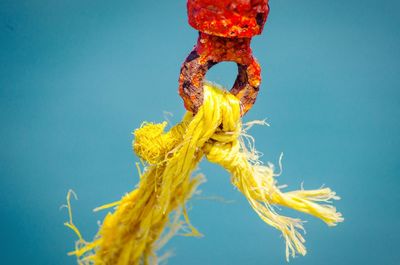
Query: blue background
(76, 77)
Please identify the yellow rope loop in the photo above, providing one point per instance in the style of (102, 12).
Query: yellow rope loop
(142, 222)
(224, 154)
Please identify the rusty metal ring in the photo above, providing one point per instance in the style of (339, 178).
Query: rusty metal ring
(225, 31)
(209, 51)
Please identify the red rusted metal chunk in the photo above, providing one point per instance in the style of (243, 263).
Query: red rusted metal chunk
(226, 28)
(228, 18)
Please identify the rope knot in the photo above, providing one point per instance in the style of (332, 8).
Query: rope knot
(224, 154)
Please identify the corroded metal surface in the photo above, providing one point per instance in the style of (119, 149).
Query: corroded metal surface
(225, 31)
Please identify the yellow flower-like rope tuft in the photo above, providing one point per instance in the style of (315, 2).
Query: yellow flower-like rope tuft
(146, 218)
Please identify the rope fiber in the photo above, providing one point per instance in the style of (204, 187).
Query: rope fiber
(147, 217)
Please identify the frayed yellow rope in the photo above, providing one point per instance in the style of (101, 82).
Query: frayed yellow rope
(142, 222)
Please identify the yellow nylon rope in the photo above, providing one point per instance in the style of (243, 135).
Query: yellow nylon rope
(146, 218)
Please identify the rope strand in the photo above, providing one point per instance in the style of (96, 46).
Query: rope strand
(143, 220)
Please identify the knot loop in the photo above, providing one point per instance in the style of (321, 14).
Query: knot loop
(224, 154)
(153, 145)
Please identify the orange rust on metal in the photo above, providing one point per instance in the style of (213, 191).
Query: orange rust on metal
(225, 31)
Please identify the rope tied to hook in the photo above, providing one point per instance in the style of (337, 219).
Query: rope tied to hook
(145, 219)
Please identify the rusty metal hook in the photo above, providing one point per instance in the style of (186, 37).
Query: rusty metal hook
(225, 31)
